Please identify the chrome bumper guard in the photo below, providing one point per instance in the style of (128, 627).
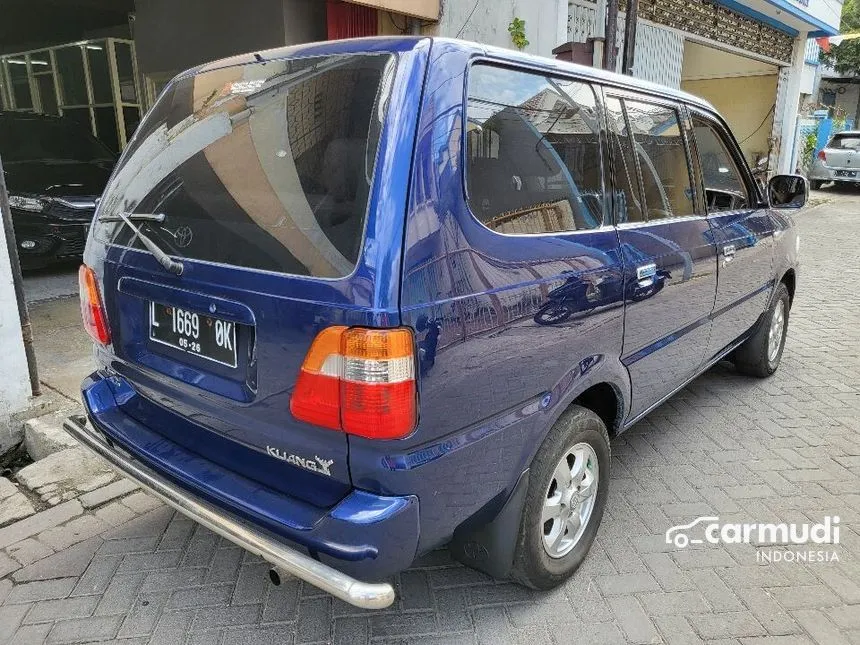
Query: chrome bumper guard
(360, 594)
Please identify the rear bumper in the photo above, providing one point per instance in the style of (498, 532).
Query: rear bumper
(820, 172)
(361, 594)
(364, 537)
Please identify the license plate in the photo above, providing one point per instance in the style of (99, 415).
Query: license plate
(846, 173)
(204, 336)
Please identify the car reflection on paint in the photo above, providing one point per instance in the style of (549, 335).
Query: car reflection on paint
(579, 296)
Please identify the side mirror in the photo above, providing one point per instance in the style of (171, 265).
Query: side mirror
(787, 191)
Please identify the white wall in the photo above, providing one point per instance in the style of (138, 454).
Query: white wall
(807, 78)
(850, 101)
(14, 378)
(787, 119)
(827, 11)
(799, 16)
(546, 22)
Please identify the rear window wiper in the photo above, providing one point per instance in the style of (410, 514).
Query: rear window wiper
(163, 259)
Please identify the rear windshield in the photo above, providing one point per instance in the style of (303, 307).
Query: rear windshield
(265, 165)
(48, 140)
(845, 142)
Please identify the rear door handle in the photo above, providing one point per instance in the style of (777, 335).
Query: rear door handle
(729, 252)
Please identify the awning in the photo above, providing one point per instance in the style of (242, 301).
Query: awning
(816, 17)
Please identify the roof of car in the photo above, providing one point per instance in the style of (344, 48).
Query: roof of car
(405, 43)
(597, 74)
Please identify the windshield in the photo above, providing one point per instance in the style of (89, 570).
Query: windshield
(48, 140)
(845, 142)
(265, 165)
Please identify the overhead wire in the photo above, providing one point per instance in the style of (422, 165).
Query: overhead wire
(403, 29)
(468, 18)
(772, 108)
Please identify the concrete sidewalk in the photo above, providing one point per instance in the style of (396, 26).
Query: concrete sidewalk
(63, 348)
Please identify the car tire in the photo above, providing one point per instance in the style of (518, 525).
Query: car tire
(553, 313)
(546, 552)
(815, 184)
(761, 353)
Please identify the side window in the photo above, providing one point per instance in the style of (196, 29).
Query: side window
(724, 188)
(663, 162)
(533, 162)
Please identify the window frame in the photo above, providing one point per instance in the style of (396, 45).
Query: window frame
(692, 168)
(607, 220)
(728, 140)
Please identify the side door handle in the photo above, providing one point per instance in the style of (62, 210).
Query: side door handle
(729, 252)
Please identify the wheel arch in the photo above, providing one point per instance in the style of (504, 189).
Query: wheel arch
(606, 401)
(487, 540)
(602, 387)
(789, 279)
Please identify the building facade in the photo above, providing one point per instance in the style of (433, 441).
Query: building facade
(747, 57)
(840, 93)
(103, 62)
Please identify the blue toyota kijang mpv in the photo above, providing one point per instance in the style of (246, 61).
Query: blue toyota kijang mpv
(354, 301)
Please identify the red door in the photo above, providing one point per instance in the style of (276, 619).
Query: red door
(347, 20)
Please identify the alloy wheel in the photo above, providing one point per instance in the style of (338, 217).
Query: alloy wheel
(776, 331)
(569, 500)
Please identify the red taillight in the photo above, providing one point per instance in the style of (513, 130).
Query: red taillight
(361, 381)
(822, 156)
(92, 308)
(316, 398)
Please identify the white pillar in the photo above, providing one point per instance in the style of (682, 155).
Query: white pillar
(14, 377)
(561, 14)
(791, 103)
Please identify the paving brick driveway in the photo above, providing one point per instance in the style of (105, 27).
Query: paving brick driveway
(785, 449)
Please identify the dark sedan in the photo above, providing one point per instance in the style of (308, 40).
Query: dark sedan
(55, 170)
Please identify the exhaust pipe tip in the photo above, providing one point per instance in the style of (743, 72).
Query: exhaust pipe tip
(274, 577)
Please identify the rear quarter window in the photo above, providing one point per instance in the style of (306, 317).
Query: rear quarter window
(265, 165)
(533, 156)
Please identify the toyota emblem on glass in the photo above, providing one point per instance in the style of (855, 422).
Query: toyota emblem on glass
(183, 236)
